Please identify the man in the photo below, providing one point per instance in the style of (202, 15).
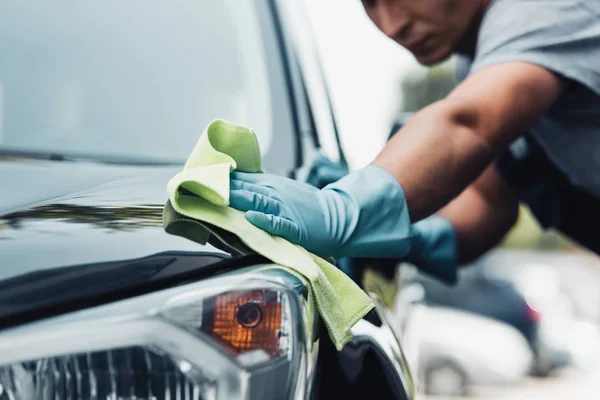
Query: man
(523, 125)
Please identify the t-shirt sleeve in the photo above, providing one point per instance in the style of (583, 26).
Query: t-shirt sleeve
(560, 35)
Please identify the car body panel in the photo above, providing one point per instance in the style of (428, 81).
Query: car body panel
(114, 215)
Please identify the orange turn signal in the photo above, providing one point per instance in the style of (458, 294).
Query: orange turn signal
(245, 321)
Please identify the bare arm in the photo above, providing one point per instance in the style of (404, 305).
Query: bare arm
(482, 214)
(447, 146)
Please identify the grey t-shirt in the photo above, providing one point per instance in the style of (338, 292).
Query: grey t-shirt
(562, 36)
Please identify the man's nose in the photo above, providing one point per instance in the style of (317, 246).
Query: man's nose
(392, 21)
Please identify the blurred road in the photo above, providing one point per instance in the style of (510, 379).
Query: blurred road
(566, 384)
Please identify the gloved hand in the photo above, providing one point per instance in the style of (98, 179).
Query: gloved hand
(323, 171)
(362, 215)
(435, 250)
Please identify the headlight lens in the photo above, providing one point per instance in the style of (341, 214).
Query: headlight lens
(223, 338)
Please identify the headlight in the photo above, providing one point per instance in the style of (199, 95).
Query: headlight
(223, 338)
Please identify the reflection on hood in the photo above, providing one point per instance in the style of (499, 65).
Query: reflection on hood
(108, 217)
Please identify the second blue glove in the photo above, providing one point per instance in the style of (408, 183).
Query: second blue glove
(362, 215)
(435, 252)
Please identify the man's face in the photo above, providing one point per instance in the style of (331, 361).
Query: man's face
(429, 29)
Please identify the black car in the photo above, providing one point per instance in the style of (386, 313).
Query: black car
(105, 292)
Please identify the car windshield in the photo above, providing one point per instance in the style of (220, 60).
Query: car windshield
(117, 79)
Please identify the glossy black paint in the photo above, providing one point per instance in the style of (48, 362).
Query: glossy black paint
(99, 239)
(76, 213)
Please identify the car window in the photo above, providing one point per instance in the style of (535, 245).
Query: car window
(138, 78)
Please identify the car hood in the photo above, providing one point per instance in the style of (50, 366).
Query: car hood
(92, 219)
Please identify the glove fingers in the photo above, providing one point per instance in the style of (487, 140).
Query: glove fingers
(235, 184)
(274, 225)
(248, 201)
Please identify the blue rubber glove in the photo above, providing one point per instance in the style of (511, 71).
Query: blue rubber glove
(363, 214)
(435, 251)
(323, 171)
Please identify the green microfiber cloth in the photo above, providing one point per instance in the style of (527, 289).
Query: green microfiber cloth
(201, 192)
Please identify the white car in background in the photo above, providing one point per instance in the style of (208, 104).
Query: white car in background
(459, 349)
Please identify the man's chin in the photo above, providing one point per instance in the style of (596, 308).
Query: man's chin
(433, 58)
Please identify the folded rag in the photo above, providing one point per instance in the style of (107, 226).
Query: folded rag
(201, 191)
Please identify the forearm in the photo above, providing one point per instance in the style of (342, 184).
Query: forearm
(436, 156)
(482, 215)
(447, 145)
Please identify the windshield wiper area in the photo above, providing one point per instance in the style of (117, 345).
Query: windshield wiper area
(74, 157)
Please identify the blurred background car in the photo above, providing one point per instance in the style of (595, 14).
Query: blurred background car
(497, 299)
(459, 350)
(451, 349)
